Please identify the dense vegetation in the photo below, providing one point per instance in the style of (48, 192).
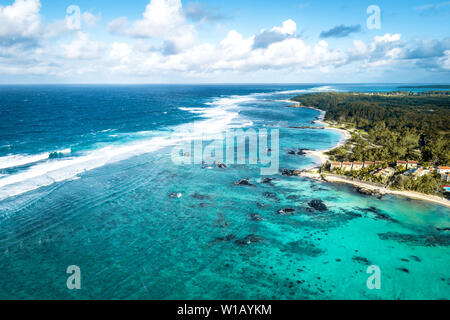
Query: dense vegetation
(388, 127)
(393, 126)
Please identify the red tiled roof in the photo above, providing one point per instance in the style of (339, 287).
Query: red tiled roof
(444, 168)
(412, 161)
(401, 161)
(346, 163)
(357, 162)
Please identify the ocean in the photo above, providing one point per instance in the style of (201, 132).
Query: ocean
(87, 178)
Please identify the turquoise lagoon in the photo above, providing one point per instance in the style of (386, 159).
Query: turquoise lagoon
(104, 203)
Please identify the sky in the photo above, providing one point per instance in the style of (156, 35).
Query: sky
(224, 41)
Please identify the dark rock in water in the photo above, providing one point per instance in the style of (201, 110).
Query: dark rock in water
(270, 195)
(352, 214)
(200, 196)
(298, 152)
(301, 152)
(267, 180)
(380, 215)
(430, 240)
(286, 211)
(403, 269)
(318, 205)
(261, 205)
(369, 192)
(404, 260)
(221, 222)
(174, 195)
(226, 238)
(289, 172)
(361, 260)
(221, 165)
(292, 197)
(302, 248)
(416, 258)
(251, 238)
(244, 182)
(255, 217)
(443, 229)
(204, 205)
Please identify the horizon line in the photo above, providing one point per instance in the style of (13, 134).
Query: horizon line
(230, 83)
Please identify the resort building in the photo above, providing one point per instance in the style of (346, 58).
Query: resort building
(418, 171)
(385, 172)
(443, 169)
(412, 164)
(402, 163)
(357, 165)
(368, 164)
(346, 166)
(335, 165)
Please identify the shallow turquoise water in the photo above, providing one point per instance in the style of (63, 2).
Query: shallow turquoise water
(132, 241)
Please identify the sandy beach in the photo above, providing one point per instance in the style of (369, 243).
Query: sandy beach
(409, 194)
(320, 154)
(323, 158)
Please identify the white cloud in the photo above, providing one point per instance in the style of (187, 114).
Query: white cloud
(20, 20)
(162, 19)
(118, 25)
(82, 48)
(288, 27)
(444, 62)
(28, 46)
(388, 38)
(89, 19)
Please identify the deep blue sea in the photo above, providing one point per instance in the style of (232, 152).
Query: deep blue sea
(87, 179)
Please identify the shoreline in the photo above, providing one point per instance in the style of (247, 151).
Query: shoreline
(331, 178)
(320, 154)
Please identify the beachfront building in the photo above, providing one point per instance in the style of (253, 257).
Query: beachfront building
(412, 164)
(335, 165)
(385, 172)
(402, 163)
(357, 165)
(368, 164)
(443, 169)
(418, 172)
(346, 166)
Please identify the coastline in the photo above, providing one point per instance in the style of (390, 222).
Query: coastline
(381, 190)
(323, 158)
(320, 154)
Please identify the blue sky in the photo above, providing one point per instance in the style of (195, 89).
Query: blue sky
(217, 41)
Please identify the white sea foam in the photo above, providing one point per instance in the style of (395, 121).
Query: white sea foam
(218, 117)
(221, 113)
(17, 160)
